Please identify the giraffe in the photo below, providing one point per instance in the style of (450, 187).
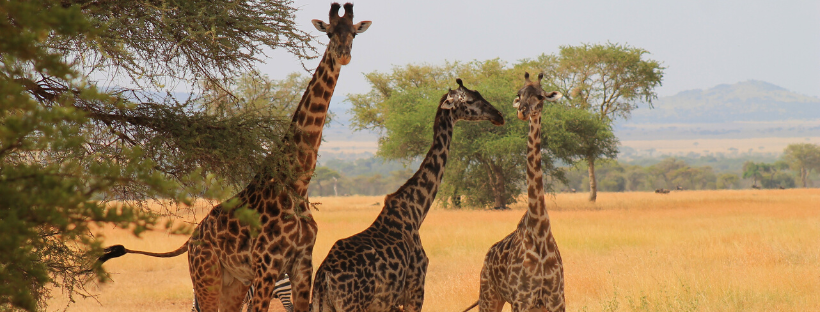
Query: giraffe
(383, 267)
(224, 259)
(525, 268)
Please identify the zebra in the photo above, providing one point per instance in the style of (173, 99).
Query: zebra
(281, 291)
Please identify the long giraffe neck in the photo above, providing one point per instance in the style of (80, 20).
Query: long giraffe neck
(309, 119)
(536, 205)
(411, 202)
(304, 134)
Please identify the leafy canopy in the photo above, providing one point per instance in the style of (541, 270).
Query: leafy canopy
(402, 105)
(87, 117)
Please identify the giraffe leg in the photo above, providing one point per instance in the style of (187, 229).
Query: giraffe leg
(265, 276)
(490, 303)
(233, 293)
(319, 300)
(414, 286)
(206, 275)
(489, 300)
(300, 280)
(263, 288)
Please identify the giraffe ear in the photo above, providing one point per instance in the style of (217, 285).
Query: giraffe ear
(552, 96)
(362, 26)
(320, 25)
(448, 102)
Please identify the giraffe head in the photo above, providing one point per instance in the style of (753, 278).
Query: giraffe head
(341, 31)
(467, 104)
(530, 99)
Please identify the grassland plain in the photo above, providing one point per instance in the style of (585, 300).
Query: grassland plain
(747, 250)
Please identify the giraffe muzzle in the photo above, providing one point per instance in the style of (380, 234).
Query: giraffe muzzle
(522, 115)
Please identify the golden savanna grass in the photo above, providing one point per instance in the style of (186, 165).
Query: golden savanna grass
(749, 250)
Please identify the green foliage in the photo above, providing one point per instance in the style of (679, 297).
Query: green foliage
(148, 46)
(325, 175)
(365, 176)
(752, 171)
(571, 134)
(372, 176)
(608, 79)
(368, 166)
(727, 181)
(770, 175)
(68, 148)
(803, 157)
(671, 173)
(486, 163)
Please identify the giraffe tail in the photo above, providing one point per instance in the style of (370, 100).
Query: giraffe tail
(120, 250)
(472, 306)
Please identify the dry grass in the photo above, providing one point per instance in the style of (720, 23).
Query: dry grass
(750, 250)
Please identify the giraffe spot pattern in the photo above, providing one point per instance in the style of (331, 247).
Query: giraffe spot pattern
(525, 268)
(383, 267)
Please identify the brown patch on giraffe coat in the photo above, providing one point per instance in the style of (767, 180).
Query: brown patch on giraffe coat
(317, 90)
(318, 107)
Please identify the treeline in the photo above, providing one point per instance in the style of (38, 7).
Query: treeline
(373, 176)
(672, 173)
(364, 176)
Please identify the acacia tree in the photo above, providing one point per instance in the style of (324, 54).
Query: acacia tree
(324, 174)
(86, 118)
(402, 105)
(802, 157)
(486, 163)
(144, 50)
(607, 79)
(754, 171)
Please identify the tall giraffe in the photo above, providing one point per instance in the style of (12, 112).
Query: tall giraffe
(383, 267)
(224, 258)
(525, 268)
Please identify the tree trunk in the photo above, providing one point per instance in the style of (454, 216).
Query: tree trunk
(804, 174)
(335, 190)
(496, 180)
(593, 186)
(500, 190)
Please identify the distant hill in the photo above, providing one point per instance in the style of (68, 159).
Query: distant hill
(744, 101)
(745, 117)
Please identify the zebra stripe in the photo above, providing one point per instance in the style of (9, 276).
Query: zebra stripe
(281, 291)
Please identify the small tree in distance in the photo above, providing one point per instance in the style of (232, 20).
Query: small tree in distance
(753, 171)
(324, 174)
(802, 157)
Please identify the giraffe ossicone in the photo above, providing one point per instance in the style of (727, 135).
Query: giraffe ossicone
(382, 269)
(224, 259)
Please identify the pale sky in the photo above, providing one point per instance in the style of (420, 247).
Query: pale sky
(702, 43)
